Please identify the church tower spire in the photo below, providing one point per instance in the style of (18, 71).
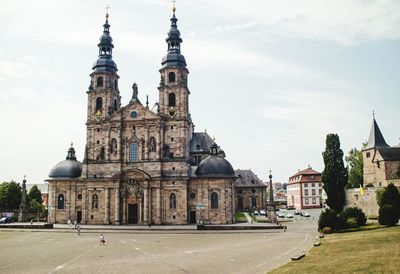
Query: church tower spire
(375, 139)
(174, 93)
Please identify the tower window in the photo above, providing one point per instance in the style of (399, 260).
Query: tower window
(60, 202)
(99, 82)
(133, 152)
(171, 100)
(214, 200)
(171, 77)
(115, 84)
(115, 105)
(113, 146)
(99, 103)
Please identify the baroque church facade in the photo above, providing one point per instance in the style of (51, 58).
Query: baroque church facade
(143, 166)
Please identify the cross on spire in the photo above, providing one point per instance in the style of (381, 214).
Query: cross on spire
(107, 8)
(173, 5)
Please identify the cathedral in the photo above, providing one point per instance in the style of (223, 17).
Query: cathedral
(144, 166)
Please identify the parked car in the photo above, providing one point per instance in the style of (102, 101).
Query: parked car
(305, 214)
(280, 215)
(297, 213)
(5, 220)
(256, 213)
(291, 207)
(263, 213)
(289, 215)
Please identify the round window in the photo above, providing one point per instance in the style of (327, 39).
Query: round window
(79, 196)
(134, 114)
(192, 195)
(253, 190)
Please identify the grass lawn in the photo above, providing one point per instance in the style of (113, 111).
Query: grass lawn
(240, 217)
(373, 251)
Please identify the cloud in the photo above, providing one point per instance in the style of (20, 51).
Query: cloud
(14, 69)
(342, 21)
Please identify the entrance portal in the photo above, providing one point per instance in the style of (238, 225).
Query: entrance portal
(192, 217)
(78, 216)
(132, 214)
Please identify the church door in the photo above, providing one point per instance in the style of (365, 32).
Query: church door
(192, 217)
(132, 211)
(79, 216)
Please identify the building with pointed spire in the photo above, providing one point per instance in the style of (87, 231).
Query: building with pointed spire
(381, 161)
(142, 166)
(381, 167)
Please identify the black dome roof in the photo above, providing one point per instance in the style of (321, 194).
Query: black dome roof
(215, 166)
(69, 168)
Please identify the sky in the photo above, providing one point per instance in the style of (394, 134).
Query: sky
(268, 79)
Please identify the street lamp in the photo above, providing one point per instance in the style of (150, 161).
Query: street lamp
(272, 216)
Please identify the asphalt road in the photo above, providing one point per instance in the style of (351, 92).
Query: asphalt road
(63, 251)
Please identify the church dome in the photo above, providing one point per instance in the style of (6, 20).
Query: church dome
(214, 165)
(69, 168)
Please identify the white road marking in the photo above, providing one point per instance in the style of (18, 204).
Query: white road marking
(133, 240)
(123, 242)
(189, 251)
(137, 248)
(67, 262)
(287, 252)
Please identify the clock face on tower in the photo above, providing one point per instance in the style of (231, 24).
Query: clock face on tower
(171, 112)
(98, 116)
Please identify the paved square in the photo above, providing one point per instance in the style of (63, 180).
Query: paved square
(64, 251)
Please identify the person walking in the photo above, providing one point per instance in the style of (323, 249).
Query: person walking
(102, 240)
(78, 229)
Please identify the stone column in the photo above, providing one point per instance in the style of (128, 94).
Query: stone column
(158, 216)
(145, 206)
(116, 217)
(124, 210)
(107, 206)
(146, 142)
(73, 201)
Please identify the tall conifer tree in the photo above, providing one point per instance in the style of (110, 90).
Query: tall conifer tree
(334, 176)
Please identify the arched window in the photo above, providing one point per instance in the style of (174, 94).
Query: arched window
(95, 201)
(171, 100)
(253, 203)
(115, 84)
(60, 201)
(171, 77)
(214, 200)
(99, 103)
(99, 82)
(133, 152)
(172, 201)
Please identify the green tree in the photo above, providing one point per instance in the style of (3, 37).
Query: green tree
(10, 195)
(354, 161)
(391, 196)
(334, 176)
(35, 207)
(35, 194)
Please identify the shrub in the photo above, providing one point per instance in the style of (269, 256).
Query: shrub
(391, 196)
(328, 218)
(388, 215)
(356, 213)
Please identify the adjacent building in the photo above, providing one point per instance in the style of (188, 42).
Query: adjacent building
(250, 191)
(381, 167)
(304, 189)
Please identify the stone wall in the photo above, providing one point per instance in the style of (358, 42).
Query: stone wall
(366, 202)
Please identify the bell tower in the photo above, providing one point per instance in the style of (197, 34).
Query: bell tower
(173, 89)
(103, 94)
